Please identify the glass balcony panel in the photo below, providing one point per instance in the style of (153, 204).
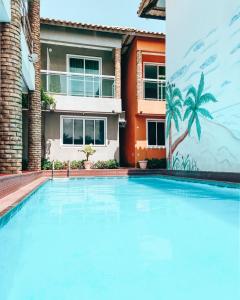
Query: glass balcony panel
(151, 91)
(154, 89)
(56, 83)
(76, 85)
(108, 88)
(162, 90)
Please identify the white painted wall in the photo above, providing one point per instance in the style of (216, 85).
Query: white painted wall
(28, 71)
(56, 151)
(5, 10)
(204, 37)
(83, 104)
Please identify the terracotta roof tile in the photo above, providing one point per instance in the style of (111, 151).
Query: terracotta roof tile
(103, 28)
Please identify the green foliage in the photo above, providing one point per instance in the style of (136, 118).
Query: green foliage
(184, 163)
(59, 165)
(193, 103)
(88, 151)
(77, 164)
(109, 164)
(173, 106)
(47, 100)
(156, 163)
(46, 164)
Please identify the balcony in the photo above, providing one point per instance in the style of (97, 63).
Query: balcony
(154, 94)
(81, 92)
(154, 90)
(5, 11)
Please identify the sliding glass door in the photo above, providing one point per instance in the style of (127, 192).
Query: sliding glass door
(84, 80)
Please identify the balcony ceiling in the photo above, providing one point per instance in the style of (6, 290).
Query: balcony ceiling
(152, 9)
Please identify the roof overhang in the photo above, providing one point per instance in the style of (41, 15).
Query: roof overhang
(152, 9)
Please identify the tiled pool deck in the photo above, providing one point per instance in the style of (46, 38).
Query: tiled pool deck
(15, 188)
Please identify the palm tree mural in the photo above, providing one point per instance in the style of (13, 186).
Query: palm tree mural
(195, 99)
(173, 113)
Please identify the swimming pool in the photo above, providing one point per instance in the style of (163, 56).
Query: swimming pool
(143, 238)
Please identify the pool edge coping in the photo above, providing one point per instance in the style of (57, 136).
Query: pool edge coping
(14, 199)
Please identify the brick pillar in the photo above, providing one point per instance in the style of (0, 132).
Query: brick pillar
(11, 93)
(34, 121)
(118, 73)
(139, 76)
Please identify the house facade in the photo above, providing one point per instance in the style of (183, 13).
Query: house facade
(19, 44)
(203, 72)
(81, 69)
(144, 100)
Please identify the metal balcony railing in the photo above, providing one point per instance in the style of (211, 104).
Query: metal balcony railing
(26, 25)
(77, 84)
(154, 89)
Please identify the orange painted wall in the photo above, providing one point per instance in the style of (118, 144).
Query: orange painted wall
(129, 102)
(133, 137)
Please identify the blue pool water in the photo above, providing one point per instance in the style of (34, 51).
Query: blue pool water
(123, 239)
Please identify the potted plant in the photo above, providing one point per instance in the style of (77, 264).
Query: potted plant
(143, 164)
(88, 151)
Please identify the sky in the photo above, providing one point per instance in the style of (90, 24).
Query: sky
(103, 12)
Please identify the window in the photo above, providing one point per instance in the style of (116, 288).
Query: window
(80, 131)
(155, 133)
(86, 82)
(154, 82)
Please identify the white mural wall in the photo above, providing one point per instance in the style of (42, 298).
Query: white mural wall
(203, 59)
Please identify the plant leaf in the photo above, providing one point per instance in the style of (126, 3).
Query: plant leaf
(198, 127)
(205, 113)
(190, 122)
(189, 102)
(169, 119)
(206, 98)
(187, 113)
(177, 112)
(175, 118)
(177, 94)
(192, 91)
(200, 87)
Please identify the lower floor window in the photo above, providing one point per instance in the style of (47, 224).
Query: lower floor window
(77, 131)
(155, 133)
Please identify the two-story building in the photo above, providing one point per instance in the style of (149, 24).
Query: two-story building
(19, 29)
(144, 100)
(81, 68)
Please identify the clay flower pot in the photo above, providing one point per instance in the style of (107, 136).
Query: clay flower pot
(87, 165)
(143, 164)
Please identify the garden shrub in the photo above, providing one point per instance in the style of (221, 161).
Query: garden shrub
(46, 164)
(109, 164)
(77, 164)
(59, 165)
(156, 163)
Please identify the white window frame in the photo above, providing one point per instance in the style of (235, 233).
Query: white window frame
(156, 121)
(94, 58)
(153, 80)
(84, 119)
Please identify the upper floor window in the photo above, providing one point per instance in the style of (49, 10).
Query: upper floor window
(80, 131)
(155, 133)
(86, 82)
(154, 81)
(87, 66)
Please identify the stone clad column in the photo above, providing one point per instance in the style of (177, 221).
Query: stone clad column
(34, 116)
(11, 93)
(118, 73)
(139, 76)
